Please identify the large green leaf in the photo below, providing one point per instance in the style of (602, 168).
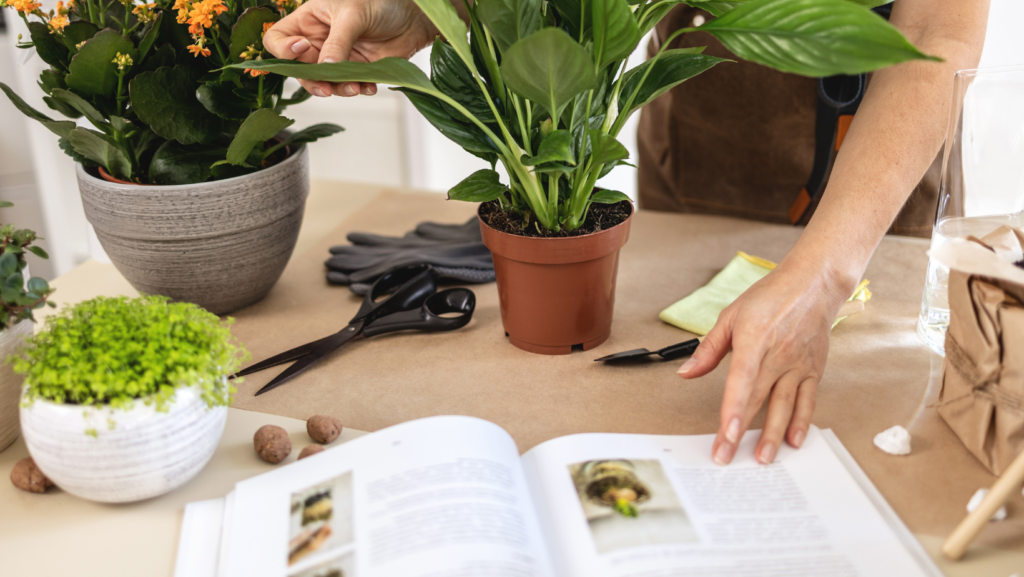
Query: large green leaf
(573, 13)
(605, 148)
(468, 136)
(102, 150)
(390, 70)
(61, 128)
(615, 31)
(81, 105)
(219, 98)
(65, 145)
(92, 70)
(720, 7)
(48, 46)
(175, 163)
(77, 32)
(165, 99)
(450, 75)
(149, 35)
(260, 127)
(605, 196)
(556, 147)
(668, 70)
(481, 186)
(548, 68)
(812, 37)
(311, 134)
(248, 30)
(451, 26)
(509, 20)
(49, 79)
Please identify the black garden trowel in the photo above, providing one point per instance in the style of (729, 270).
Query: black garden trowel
(668, 353)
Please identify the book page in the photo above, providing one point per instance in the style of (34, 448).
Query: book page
(614, 505)
(437, 497)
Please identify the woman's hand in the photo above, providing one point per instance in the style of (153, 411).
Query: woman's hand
(778, 331)
(357, 30)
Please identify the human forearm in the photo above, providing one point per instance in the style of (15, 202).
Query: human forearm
(894, 138)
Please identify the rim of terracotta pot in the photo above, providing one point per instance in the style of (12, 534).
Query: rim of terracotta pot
(557, 250)
(106, 176)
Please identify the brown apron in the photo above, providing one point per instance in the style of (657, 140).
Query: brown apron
(739, 140)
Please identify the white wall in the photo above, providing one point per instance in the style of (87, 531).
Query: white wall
(386, 142)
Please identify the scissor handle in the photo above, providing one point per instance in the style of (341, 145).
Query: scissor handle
(428, 317)
(400, 289)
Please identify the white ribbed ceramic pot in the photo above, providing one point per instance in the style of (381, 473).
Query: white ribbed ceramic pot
(10, 382)
(147, 453)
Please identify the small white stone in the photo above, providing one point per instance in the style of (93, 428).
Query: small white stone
(1000, 513)
(895, 441)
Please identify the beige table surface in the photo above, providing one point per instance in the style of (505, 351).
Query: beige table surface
(57, 534)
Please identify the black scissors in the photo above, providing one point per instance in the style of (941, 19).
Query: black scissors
(404, 298)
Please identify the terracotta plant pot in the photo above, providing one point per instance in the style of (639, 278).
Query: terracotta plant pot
(557, 293)
(220, 244)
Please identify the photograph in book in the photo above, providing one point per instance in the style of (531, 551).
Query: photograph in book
(630, 503)
(343, 566)
(321, 518)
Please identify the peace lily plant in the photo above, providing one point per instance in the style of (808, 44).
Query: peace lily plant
(542, 85)
(148, 79)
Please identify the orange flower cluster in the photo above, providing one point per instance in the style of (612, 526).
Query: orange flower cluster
(59, 19)
(253, 54)
(25, 6)
(199, 15)
(286, 6)
(145, 12)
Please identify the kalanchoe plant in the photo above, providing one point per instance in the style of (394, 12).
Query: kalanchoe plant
(147, 78)
(542, 86)
(19, 298)
(112, 351)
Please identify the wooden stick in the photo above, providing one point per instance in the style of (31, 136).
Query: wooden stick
(1007, 483)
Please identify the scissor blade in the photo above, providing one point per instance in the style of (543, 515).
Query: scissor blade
(280, 359)
(625, 355)
(311, 358)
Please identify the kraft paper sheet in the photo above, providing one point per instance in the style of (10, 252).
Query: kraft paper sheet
(879, 374)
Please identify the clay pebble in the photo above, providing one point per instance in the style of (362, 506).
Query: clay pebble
(27, 477)
(272, 443)
(976, 500)
(895, 441)
(310, 450)
(323, 429)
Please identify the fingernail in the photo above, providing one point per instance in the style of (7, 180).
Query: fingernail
(329, 60)
(369, 90)
(798, 439)
(723, 454)
(315, 91)
(300, 46)
(733, 432)
(687, 366)
(767, 454)
(349, 90)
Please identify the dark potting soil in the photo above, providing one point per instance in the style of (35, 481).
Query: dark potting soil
(599, 217)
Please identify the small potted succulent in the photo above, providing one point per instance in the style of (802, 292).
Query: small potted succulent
(126, 399)
(543, 88)
(19, 297)
(193, 189)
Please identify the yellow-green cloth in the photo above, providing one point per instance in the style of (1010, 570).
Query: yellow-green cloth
(698, 312)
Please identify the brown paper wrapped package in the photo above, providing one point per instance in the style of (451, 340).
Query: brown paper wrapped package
(982, 396)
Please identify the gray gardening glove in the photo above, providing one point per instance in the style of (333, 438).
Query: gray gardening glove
(456, 251)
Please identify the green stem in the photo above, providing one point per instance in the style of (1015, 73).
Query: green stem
(120, 88)
(624, 115)
(522, 128)
(259, 94)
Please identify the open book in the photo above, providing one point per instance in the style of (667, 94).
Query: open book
(452, 497)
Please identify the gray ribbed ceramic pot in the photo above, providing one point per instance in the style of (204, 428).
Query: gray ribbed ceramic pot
(221, 244)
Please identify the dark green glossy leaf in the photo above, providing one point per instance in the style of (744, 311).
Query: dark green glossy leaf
(219, 98)
(468, 136)
(149, 35)
(605, 196)
(61, 128)
(668, 70)
(102, 150)
(450, 75)
(61, 107)
(38, 285)
(163, 56)
(165, 99)
(81, 105)
(615, 31)
(38, 251)
(556, 147)
(248, 30)
(49, 79)
(260, 127)
(8, 264)
(548, 68)
(77, 32)
(65, 145)
(481, 186)
(812, 37)
(298, 97)
(92, 71)
(451, 26)
(311, 134)
(16, 281)
(572, 15)
(391, 70)
(175, 163)
(509, 20)
(48, 46)
(605, 148)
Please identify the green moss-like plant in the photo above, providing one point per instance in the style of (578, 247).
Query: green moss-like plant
(113, 351)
